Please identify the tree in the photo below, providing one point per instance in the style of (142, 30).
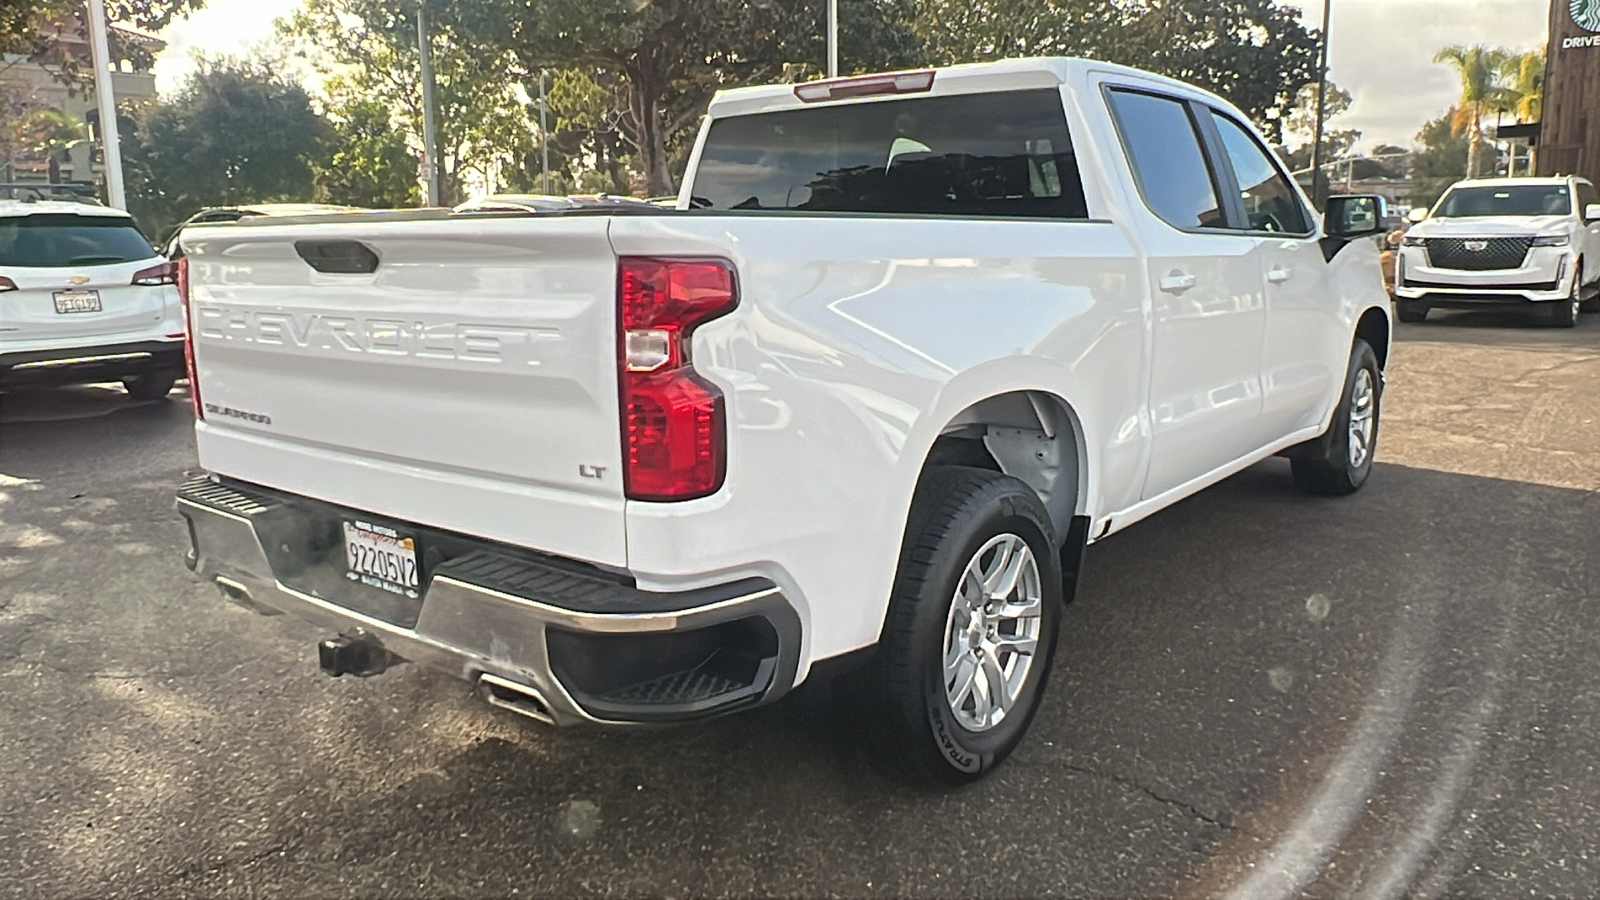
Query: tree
(28, 26)
(367, 51)
(1524, 83)
(1440, 161)
(370, 163)
(1479, 69)
(30, 132)
(669, 56)
(1255, 53)
(236, 132)
(1301, 123)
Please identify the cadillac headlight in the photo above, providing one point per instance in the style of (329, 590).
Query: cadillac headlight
(1552, 240)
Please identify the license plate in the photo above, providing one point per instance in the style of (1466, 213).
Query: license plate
(381, 557)
(77, 301)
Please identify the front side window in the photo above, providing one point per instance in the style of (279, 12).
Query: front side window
(1270, 201)
(59, 240)
(1164, 151)
(1506, 200)
(998, 154)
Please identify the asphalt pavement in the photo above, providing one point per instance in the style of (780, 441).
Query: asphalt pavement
(1258, 694)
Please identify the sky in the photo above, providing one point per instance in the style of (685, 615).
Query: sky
(1381, 51)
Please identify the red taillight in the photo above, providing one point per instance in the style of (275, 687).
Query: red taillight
(181, 277)
(7, 284)
(674, 432)
(166, 273)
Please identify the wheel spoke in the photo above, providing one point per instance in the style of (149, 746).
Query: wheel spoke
(1004, 579)
(962, 685)
(995, 679)
(982, 698)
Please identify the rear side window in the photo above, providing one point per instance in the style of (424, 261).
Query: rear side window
(1270, 202)
(999, 154)
(1164, 151)
(56, 240)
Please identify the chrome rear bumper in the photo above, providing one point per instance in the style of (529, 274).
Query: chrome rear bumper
(499, 638)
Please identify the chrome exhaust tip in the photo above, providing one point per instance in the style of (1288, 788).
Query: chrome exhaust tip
(518, 698)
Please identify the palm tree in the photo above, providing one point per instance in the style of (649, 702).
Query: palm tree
(1524, 77)
(1479, 69)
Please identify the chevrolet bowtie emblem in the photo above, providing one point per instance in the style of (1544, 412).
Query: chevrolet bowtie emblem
(1476, 246)
(78, 279)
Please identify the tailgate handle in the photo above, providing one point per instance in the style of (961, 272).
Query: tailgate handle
(338, 257)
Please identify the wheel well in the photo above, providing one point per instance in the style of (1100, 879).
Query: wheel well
(1373, 327)
(1030, 435)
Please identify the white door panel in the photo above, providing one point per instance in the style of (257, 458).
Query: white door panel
(1301, 357)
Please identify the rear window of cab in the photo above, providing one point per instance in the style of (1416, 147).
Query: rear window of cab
(60, 240)
(994, 154)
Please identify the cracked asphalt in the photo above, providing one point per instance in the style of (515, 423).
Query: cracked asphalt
(1258, 694)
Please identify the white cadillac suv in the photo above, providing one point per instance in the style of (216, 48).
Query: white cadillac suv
(1528, 242)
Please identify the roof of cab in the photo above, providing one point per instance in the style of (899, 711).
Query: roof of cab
(1001, 75)
(11, 208)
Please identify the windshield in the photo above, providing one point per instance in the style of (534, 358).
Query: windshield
(1514, 200)
(56, 240)
(968, 155)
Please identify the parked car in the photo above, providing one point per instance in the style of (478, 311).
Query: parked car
(1528, 243)
(84, 298)
(217, 214)
(546, 203)
(910, 342)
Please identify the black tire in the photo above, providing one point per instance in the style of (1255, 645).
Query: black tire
(1410, 311)
(1564, 313)
(1323, 465)
(901, 692)
(150, 385)
(1593, 303)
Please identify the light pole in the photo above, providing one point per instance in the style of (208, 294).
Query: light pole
(110, 139)
(833, 38)
(430, 137)
(544, 140)
(1318, 195)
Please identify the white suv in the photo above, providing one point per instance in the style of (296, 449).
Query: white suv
(85, 298)
(1511, 241)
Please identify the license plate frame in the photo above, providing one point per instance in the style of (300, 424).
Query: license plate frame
(72, 302)
(382, 557)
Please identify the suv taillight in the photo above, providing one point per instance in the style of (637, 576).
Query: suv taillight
(166, 273)
(674, 429)
(181, 277)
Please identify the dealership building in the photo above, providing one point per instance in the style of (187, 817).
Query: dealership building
(1569, 133)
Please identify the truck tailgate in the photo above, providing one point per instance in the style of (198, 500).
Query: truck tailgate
(468, 382)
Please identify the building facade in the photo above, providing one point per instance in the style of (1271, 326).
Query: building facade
(1569, 133)
(27, 83)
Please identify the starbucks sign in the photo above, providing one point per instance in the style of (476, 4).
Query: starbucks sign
(1586, 13)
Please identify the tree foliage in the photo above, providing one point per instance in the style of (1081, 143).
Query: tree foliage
(1479, 70)
(667, 57)
(367, 51)
(26, 26)
(1255, 53)
(1440, 160)
(1300, 125)
(236, 132)
(369, 163)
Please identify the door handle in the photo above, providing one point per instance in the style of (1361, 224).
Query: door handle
(1278, 275)
(1177, 282)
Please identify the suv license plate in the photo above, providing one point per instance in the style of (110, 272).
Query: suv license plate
(381, 557)
(77, 301)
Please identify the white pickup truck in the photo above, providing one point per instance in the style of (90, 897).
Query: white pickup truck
(1528, 243)
(908, 343)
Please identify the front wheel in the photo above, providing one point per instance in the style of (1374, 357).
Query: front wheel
(1338, 462)
(1593, 303)
(971, 629)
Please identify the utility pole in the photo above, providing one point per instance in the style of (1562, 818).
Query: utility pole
(110, 139)
(833, 38)
(544, 139)
(1319, 196)
(430, 135)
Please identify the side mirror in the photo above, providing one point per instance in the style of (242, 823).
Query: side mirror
(1417, 215)
(1591, 213)
(1354, 216)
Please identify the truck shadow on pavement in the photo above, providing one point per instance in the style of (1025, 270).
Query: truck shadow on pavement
(1254, 681)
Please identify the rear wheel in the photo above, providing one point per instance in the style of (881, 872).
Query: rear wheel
(970, 633)
(1410, 311)
(150, 385)
(1339, 461)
